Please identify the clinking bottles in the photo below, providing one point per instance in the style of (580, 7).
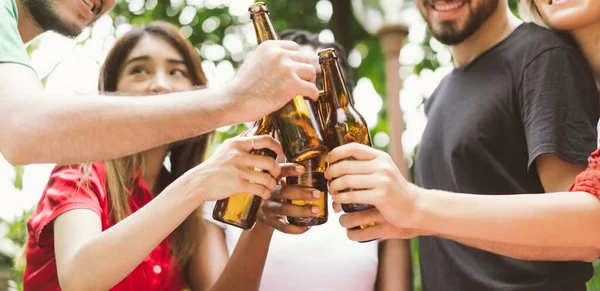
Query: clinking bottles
(344, 124)
(314, 177)
(299, 130)
(241, 209)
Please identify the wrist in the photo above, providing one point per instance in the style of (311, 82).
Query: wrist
(233, 103)
(228, 111)
(420, 211)
(263, 229)
(188, 189)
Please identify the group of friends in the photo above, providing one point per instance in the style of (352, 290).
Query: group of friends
(517, 115)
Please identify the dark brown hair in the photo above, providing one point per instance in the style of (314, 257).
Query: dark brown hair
(303, 37)
(183, 155)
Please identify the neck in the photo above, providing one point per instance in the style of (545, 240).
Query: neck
(28, 27)
(153, 165)
(496, 28)
(588, 40)
(334, 82)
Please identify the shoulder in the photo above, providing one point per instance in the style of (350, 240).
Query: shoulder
(87, 177)
(8, 7)
(12, 49)
(70, 187)
(531, 37)
(530, 41)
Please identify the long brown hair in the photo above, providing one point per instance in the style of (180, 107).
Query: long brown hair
(183, 155)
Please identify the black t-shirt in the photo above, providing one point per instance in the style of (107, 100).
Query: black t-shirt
(531, 94)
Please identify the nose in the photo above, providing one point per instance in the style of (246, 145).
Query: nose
(160, 84)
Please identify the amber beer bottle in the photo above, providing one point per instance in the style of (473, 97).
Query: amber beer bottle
(344, 124)
(300, 133)
(314, 177)
(241, 209)
(323, 109)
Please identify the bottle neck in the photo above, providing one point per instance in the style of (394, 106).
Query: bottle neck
(334, 84)
(263, 126)
(263, 27)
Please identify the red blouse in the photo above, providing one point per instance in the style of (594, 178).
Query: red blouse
(158, 271)
(589, 180)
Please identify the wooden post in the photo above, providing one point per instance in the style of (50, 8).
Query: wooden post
(392, 40)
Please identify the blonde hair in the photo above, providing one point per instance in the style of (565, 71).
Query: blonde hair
(529, 12)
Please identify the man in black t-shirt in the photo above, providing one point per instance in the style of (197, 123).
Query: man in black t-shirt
(516, 116)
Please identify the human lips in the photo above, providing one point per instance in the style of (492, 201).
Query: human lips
(89, 4)
(95, 6)
(449, 5)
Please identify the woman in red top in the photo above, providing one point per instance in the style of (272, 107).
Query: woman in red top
(131, 223)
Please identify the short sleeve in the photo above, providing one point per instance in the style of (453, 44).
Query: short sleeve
(207, 210)
(65, 191)
(12, 49)
(589, 180)
(560, 106)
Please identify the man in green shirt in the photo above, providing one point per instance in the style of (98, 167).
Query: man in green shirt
(35, 127)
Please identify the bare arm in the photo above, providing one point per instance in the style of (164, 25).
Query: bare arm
(532, 253)
(71, 129)
(556, 222)
(79, 240)
(395, 266)
(88, 258)
(245, 267)
(210, 259)
(545, 226)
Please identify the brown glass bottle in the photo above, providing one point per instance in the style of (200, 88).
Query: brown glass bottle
(323, 109)
(299, 130)
(241, 209)
(344, 123)
(314, 177)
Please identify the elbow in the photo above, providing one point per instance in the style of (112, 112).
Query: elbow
(13, 153)
(591, 255)
(68, 281)
(75, 281)
(18, 143)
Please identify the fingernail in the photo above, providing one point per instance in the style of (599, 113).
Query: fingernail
(308, 227)
(316, 194)
(299, 169)
(315, 209)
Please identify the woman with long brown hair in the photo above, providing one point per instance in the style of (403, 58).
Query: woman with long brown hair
(134, 223)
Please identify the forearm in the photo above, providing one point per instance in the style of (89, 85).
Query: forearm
(72, 129)
(109, 257)
(532, 253)
(245, 267)
(395, 266)
(544, 220)
(210, 259)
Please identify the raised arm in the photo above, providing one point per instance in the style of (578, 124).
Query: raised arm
(243, 271)
(210, 258)
(395, 266)
(545, 226)
(88, 258)
(35, 127)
